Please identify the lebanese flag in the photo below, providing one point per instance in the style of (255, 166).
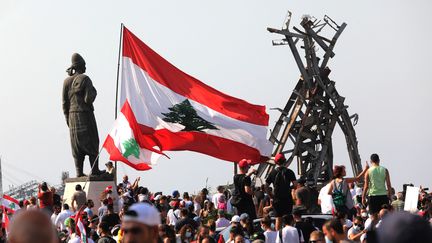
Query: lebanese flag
(80, 228)
(5, 221)
(10, 203)
(126, 143)
(175, 111)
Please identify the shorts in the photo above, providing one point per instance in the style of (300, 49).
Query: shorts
(376, 203)
(282, 207)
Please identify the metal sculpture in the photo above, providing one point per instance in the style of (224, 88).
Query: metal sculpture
(309, 117)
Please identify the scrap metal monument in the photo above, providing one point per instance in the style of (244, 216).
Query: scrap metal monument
(314, 108)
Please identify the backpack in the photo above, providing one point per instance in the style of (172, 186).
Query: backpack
(339, 197)
(281, 183)
(237, 193)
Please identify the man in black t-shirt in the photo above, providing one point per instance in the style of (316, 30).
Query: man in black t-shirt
(111, 218)
(281, 178)
(243, 187)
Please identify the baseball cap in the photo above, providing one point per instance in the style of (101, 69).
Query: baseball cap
(176, 193)
(143, 213)
(279, 158)
(158, 197)
(235, 219)
(244, 216)
(244, 162)
(108, 188)
(110, 163)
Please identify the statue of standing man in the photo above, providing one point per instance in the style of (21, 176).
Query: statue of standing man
(78, 97)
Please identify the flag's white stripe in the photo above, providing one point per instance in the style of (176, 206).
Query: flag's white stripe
(122, 132)
(149, 99)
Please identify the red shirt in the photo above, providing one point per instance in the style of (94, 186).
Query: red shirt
(45, 199)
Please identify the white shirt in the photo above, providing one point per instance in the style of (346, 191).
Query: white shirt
(215, 199)
(326, 200)
(77, 239)
(63, 215)
(290, 235)
(53, 219)
(173, 216)
(222, 222)
(353, 231)
(270, 236)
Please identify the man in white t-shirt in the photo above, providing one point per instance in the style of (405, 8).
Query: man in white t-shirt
(269, 234)
(173, 214)
(289, 232)
(325, 200)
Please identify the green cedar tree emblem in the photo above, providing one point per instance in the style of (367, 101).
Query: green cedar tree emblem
(12, 206)
(187, 116)
(131, 147)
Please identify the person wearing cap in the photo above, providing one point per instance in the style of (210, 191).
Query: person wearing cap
(105, 233)
(140, 224)
(222, 221)
(283, 180)
(243, 189)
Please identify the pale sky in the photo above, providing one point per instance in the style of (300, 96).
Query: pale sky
(381, 67)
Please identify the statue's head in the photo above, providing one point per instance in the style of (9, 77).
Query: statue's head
(78, 64)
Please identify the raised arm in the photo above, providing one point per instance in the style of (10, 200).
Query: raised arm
(359, 177)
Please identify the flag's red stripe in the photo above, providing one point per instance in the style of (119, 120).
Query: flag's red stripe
(11, 199)
(181, 83)
(200, 142)
(115, 155)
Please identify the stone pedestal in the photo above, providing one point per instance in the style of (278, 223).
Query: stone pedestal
(93, 188)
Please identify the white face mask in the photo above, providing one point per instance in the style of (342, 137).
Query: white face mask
(364, 215)
(188, 234)
(327, 240)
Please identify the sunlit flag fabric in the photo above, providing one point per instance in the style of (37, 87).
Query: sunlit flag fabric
(174, 111)
(10, 203)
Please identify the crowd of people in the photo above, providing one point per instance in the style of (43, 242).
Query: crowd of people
(281, 210)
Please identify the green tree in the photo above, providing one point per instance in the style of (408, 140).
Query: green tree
(184, 114)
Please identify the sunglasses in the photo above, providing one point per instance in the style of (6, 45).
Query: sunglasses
(316, 241)
(133, 230)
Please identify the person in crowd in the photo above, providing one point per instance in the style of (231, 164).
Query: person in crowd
(325, 200)
(102, 210)
(78, 199)
(305, 226)
(32, 226)
(187, 200)
(197, 204)
(222, 221)
(222, 203)
(209, 211)
(334, 231)
(259, 194)
(126, 183)
(246, 225)
(317, 237)
(110, 168)
(104, 233)
(56, 212)
(166, 234)
(111, 218)
(186, 234)
(242, 200)
(184, 219)
(398, 204)
(140, 224)
(234, 232)
(357, 230)
(173, 214)
(302, 196)
(63, 215)
(376, 180)
(32, 203)
(89, 205)
(216, 196)
(56, 197)
(283, 180)
(74, 236)
(212, 230)
(203, 232)
(235, 221)
(93, 226)
(342, 198)
(269, 234)
(289, 233)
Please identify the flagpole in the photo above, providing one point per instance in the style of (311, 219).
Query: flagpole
(117, 88)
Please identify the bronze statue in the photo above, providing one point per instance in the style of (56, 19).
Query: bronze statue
(78, 97)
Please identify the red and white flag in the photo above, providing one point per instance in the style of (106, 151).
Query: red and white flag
(175, 111)
(10, 203)
(5, 221)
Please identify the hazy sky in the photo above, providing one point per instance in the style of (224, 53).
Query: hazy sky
(381, 67)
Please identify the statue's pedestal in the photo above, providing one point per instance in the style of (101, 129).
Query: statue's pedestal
(93, 188)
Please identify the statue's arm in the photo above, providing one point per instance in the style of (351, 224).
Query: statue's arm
(90, 91)
(65, 102)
